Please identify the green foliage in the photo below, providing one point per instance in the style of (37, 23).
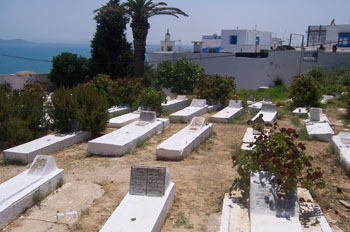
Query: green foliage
(278, 153)
(346, 98)
(277, 93)
(83, 105)
(180, 76)
(305, 91)
(110, 51)
(105, 86)
(68, 69)
(216, 89)
(128, 91)
(22, 114)
(92, 108)
(37, 198)
(63, 111)
(152, 99)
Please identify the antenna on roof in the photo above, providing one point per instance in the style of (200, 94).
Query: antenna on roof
(333, 22)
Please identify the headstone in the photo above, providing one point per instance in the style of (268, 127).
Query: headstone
(197, 123)
(148, 116)
(267, 207)
(181, 97)
(149, 181)
(251, 98)
(267, 97)
(198, 102)
(42, 165)
(235, 103)
(315, 114)
(168, 98)
(266, 107)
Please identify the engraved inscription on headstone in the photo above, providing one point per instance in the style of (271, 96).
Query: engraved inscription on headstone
(198, 102)
(138, 180)
(148, 116)
(156, 181)
(39, 166)
(197, 123)
(315, 114)
(235, 104)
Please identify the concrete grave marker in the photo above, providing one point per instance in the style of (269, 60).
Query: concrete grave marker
(267, 211)
(168, 98)
(181, 97)
(197, 123)
(268, 107)
(148, 116)
(198, 102)
(315, 114)
(235, 103)
(267, 97)
(148, 181)
(251, 98)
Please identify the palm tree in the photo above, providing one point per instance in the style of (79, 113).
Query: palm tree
(140, 11)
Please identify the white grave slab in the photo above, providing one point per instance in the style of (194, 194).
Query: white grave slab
(326, 98)
(255, 106)
(341, 143)
(300, 110)
(314, 218)
(234, 217)
(181, 97)
(316, 116)
(174, 105)
(123, 120)
(251, 99)
(181, 144)
(17, 193)
(128, 137)
(145, 210)
(233, 110)
(118, 109)
(43, 146)
(269, 113)
(197, 108)
(267, 211)
(321, 131)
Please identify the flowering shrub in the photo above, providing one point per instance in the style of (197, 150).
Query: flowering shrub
(152, 99)
(215, 89)
(127, 91)
(104, 85)
(305, 91)
(277, 151)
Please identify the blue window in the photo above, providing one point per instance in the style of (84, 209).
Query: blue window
(257, 40)
(233, 39)
(344, 40)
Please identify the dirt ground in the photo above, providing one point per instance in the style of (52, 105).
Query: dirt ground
(200, 180)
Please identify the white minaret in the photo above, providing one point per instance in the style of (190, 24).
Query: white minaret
(167, 45)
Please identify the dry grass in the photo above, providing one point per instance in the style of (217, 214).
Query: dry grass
(200, 180)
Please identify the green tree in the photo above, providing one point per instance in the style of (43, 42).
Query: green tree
(305, 91)
(140, 11)
(68, 69)
(110, 51)
(179, 77)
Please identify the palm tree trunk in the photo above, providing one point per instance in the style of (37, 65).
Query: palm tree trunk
(139, 30)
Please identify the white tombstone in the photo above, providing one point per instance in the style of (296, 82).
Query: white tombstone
(300, 110)
(147, 117)
(266, 97)
(269, 113)
(181, 144)
(198, 102)
(341, 143)
(235, 103)
(267, 211)
(315, 114)
(146, 206)
(168, 98)
(17, 193)
(251, 98)
(181, 97)
(268, 107)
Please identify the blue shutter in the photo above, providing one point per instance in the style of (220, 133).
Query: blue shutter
(233, 39)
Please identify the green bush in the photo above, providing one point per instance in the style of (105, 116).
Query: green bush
(179, 77)
(128, 91)
(22, 114)
(92, 108)
(305, 91)
(68, 69)
(152, 99)
(216, 89)
(104, 85)
(64, 106)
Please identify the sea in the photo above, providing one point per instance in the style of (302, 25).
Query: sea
(37, 57)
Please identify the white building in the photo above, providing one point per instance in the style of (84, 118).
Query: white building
(329, 35)
(233, 41)
(167, 45)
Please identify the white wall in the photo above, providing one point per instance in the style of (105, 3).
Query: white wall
(18, 82)
(251, 73)
(332, 35)
(211, 43)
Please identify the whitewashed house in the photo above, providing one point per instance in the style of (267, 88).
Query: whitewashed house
(329, 35)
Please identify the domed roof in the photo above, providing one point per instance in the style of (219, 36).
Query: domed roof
(24, 73)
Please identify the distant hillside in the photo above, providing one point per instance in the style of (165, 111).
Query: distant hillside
(14, 41)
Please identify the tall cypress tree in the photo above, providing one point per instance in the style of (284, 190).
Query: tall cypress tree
(111, 53)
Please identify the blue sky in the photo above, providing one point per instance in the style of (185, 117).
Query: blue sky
(72, 20)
